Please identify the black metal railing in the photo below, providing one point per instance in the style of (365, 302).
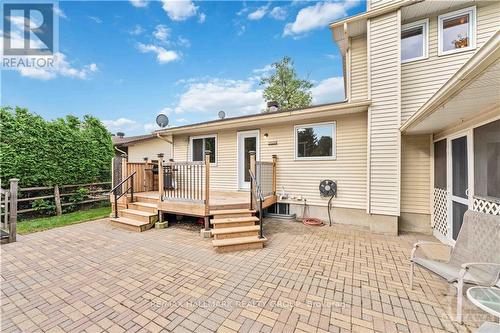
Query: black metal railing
(257, 200)
(184, 181)
(118, 192)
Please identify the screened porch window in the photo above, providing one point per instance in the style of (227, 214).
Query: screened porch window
(200, 145)
(315, 141)
(487, 160)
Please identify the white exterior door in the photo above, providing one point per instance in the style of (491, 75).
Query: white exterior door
(459, 180)
(247, 141)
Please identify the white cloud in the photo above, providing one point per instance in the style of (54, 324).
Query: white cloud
(139, 3)
(179, 10)
(138, 30)
(121, 125)
(59, 12)
(202, 17)
(151, 127)
(162, 55)
(61, 68)
(162, 32)
(329, 90)
(181, 120)
(233, 96)
(258, 14)
(265, 69)
(278, 13)
(318, 16)
(95, 19)
(183, 41)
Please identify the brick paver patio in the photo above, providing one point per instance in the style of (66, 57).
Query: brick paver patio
(92, 277)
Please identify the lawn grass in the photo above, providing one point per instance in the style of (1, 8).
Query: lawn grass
(45, 223)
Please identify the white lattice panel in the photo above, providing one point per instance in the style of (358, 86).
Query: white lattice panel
(486, 206)
(441, 211)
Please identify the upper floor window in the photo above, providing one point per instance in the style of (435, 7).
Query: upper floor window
(457, 31)
(315, 141)
(201, 144)
(414, 40)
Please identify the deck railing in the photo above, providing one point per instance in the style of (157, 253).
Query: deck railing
(185, 181)
(264, 175)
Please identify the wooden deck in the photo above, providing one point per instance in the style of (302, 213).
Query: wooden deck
(219, 200)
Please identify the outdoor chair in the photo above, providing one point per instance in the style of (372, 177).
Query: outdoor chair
(475, 258)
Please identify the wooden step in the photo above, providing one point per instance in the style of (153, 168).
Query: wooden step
(130, 224)
(139, 198)
(225, 213)
(239, 243)
(234, 222)
(234, 232)
(138, 215)
(144, 207)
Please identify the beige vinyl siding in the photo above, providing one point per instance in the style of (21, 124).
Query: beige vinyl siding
(372, 4)
(298, 177)
(415, 174)
(148, 148)
(421, 79)
(384, 114)
(302, 177)
(223, 175)
(359, 83)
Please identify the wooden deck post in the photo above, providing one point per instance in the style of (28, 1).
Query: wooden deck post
(207, 189)
(274, 174)
(13, 209)
(160, 176)
(253, 168)
(145, 187)
(124, 174)
(57, 200)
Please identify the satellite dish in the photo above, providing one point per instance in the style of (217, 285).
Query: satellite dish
(222, 114)
(161, 120)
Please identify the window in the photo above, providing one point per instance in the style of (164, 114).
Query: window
(200, 144)
(457, 31)
(414, 41)
(315, 141)
(487, 160)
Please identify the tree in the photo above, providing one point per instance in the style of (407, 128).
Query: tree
(284, 87)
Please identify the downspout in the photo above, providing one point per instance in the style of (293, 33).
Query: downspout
(121, 151)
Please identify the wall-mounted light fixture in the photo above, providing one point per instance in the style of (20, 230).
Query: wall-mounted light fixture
(266, 135)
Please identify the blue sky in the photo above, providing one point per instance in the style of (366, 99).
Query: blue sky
(127, 61)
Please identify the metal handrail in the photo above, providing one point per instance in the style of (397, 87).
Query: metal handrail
(131, 188)
(258, 197)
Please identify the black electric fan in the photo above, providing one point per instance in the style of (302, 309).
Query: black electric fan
(328, 188)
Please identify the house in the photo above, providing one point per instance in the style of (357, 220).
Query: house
(413, 146)
(138, 148)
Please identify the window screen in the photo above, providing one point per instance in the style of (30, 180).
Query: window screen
(487, 160)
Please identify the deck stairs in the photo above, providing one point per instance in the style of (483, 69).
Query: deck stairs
(139, 215)
(235, 230)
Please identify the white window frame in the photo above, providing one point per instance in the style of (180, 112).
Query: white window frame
(471, 11)
(425, 35)
(191, 138)
(317, 158)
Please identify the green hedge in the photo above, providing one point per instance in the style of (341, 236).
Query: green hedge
(60, 151)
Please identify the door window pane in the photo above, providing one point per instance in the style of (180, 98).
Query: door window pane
(459, 166)
(440, 164)
(250, 144)
(487, 160)
(314, 140)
